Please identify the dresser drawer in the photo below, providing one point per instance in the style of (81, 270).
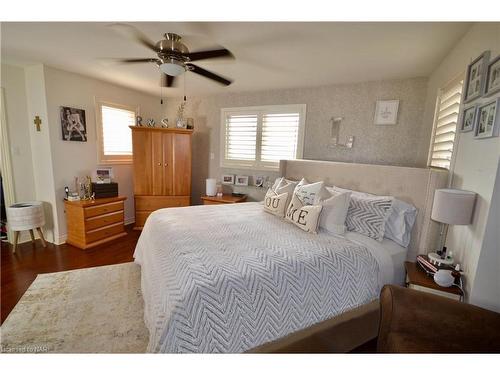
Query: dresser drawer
(153, 203)
(99, 234)
(103, 220)
(103, 209)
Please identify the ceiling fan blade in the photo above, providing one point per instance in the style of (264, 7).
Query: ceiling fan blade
(166, 80)
(145, 60)
(211, 54)
(205, 73)
(135, 33)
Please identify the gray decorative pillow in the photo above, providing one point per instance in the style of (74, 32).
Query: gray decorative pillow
(367, 215)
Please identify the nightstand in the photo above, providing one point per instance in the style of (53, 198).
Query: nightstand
(417, 279)
(225, 199)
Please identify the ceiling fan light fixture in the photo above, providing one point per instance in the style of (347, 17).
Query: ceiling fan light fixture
(172, 67)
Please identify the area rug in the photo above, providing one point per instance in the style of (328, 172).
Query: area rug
(91, 310)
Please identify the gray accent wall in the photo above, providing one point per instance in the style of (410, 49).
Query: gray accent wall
(401, 144)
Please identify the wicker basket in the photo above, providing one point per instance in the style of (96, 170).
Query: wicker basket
(25, 216)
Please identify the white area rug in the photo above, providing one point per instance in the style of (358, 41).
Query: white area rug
(92, 310)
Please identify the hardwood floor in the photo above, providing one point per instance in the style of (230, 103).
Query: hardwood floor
(20, 269)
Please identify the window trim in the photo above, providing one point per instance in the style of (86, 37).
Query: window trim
(451, 83)
(110, 159)
(260, 111)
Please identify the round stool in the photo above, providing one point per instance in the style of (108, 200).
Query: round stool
(26, 216)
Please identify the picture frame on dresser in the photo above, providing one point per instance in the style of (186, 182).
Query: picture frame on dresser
(468, 119)
(487, 120)
(493, 77)
(475, 79)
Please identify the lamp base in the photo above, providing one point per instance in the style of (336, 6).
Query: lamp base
(436, 259)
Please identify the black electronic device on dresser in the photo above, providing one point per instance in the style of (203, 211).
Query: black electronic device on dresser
(106, 190)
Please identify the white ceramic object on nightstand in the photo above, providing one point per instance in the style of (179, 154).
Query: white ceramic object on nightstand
(444, 278)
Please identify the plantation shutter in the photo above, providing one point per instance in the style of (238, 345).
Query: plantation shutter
(445, 126)
(241, 136)
(279, 136)
(116, 134)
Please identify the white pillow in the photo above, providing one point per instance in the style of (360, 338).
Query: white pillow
(334, 212)
(305, 217)
(275, 203)
(309, 194)
(399, 223)
(285, 187)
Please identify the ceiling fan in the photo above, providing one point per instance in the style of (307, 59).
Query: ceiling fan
(174, 58)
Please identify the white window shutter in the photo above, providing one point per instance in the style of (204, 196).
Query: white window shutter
(116, 134)
(280, 132)
(445, 126)
(241, 136)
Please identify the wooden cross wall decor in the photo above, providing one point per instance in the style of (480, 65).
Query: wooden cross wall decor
(37, 121)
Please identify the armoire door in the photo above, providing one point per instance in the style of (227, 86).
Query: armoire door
(181, 164)
(167, 163)
(143, 168)
(158, 167)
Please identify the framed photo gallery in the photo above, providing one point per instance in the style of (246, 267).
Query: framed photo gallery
(482, 81)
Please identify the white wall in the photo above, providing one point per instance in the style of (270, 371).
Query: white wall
(476, 160)
(395, 144)
(13, 82)
(41, 152)
(72, 159)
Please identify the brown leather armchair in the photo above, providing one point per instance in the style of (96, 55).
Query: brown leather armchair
(416, 322)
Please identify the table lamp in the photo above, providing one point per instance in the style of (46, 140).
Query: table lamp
(451, 207)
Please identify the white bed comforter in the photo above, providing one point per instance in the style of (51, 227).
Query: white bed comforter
(227, 278)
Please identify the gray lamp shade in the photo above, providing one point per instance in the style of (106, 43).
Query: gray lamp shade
(453, 206)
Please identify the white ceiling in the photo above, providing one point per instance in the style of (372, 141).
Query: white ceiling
(268, 55)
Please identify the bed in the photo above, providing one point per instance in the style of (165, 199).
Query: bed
(232, 278)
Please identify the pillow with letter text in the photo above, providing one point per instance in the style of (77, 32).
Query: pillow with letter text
(306, 217)
(275, 203)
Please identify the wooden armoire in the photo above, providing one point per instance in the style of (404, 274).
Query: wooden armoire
(162, 169)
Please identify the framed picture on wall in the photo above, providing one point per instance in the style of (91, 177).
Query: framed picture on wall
(228, 179)
(476, 77)
(386, 112)
(241, 181)
(73, 124)
(487, 120)
(493, 77)
(468, 119)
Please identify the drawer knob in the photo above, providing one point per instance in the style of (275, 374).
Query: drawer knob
(159, 164)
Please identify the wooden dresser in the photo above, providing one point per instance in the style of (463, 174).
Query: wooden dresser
(162, 170)
(225, 199)
(94, 222)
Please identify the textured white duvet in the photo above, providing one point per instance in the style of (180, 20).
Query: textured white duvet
(227, 278)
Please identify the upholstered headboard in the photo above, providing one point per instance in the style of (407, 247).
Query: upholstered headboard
(412, 185)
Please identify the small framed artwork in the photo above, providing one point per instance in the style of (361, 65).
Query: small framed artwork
(493, 77)
(487, 120)
(103, 175)
(259, 181)
(476, 77)
(386, 112)
(228, 179)
(73, 124)
(468, 119)
(241, 181)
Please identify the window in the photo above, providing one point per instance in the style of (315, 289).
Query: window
(445, 125)
(259, 137)
(115, 136)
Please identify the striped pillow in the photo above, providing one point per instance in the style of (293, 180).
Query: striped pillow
(367, 215)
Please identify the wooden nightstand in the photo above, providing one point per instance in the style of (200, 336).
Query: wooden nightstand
(417, 279)
(225, 199)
